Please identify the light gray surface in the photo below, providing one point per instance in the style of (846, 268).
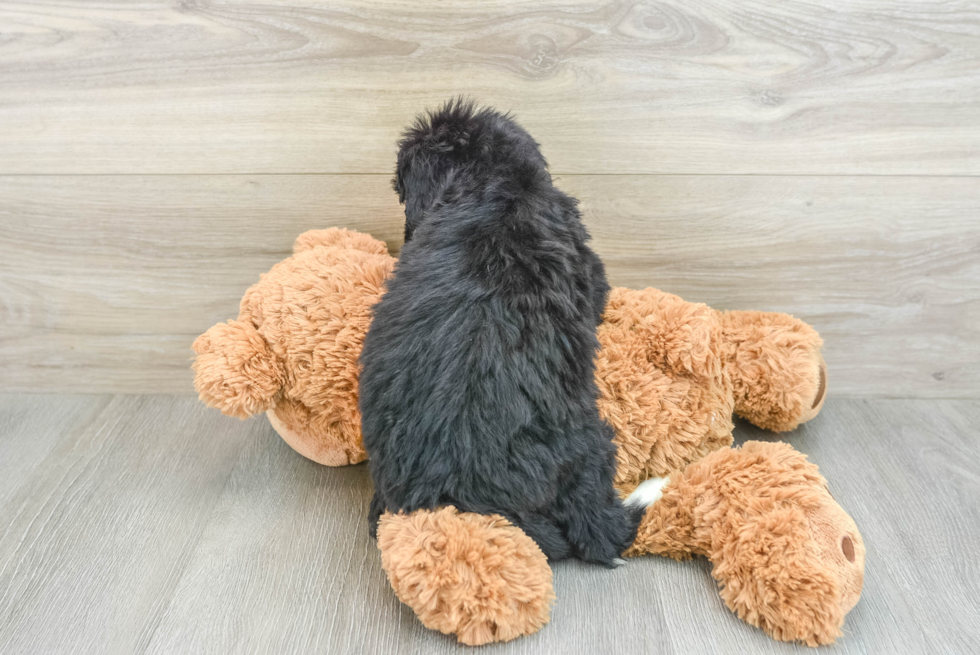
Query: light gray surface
(151, 524)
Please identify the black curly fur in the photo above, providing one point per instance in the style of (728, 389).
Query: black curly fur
(477, 386)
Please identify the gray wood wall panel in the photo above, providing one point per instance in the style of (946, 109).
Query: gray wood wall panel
(106, 280)
(623, 86)
(814, 158)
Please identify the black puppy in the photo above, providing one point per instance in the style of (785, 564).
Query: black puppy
(477, 385)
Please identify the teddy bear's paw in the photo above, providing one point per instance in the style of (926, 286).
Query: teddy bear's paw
(477, 577)
(812, 407)
(771, 579)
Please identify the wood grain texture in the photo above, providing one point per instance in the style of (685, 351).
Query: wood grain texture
(620, 86)
(106, 281)
(886, 269)
(94, 541)
(160, 527)
(96, 299)
(31, 427)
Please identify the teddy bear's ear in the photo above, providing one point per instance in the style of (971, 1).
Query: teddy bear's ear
(236, 371)
(339, 237)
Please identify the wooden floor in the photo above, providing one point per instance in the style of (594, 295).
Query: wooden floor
(137, 524)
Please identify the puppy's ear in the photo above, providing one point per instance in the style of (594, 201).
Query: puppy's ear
(413, 181)
(400, 182)
(436, 143)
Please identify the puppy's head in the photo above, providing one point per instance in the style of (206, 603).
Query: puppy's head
(456, 139)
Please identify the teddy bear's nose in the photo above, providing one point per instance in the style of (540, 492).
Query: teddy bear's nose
(847, 546)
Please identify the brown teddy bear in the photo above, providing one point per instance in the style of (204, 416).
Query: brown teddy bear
(670, 373)
(293, 351)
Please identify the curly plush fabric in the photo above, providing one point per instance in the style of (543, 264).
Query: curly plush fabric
(339, 238)
(294, 349)
(477, 577)
(671, 373)
(235, 370)
(778, 377)
(788, 559)
(661, 383)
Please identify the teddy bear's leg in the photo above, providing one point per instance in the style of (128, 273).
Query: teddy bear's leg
(475, 576)
(787, 557)
(778, 375)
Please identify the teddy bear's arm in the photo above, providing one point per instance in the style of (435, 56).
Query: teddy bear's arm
(787, 557)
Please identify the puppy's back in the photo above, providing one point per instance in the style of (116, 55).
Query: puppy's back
(477, 385)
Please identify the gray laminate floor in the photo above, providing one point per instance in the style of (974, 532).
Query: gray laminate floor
(151, 524)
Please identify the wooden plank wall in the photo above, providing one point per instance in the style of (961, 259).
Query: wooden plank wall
(815, 157)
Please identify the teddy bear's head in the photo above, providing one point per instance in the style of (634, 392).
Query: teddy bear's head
(293, 351)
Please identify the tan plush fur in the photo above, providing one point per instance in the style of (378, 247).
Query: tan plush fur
(787, 557)
(670, 374)
(662, 383)
(293, 350)
(477, 577)
(778, 377)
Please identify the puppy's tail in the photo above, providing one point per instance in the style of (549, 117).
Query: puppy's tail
(236, 370)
